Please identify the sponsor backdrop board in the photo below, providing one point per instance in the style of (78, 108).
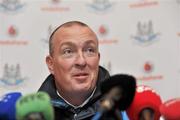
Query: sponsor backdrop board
(138, 37)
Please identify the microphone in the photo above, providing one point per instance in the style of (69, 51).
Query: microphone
(34, 106)
(118, 91)
(170, 109)
(8, 105)
(145, 104)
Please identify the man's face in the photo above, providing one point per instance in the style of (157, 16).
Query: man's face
(75, 59)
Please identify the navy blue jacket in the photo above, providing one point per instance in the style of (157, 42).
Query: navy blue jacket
(63, 111)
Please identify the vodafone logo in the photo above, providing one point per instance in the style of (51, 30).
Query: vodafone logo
(148, 67)
(12, 31)
(104, 34)
(103, 30)
(144, 3)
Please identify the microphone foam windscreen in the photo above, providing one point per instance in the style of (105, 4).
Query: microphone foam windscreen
(145, 97)
(34, 103)
(170, 110)
(126, 83)
(8, 106)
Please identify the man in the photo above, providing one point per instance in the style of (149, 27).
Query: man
(73, 62)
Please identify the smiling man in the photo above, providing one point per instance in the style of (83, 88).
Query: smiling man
(73, 62)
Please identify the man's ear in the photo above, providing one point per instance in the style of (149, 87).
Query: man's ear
(49, 62)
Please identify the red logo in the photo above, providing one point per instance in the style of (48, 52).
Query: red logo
(103, 30)
(148, 67)
(55, 6)
(144, 3)
(12, 31)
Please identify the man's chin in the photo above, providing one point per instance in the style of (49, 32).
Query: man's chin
(81, 89)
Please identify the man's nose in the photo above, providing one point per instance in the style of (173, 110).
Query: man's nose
(81, 60)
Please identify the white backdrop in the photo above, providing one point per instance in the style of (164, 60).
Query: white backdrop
(139, 37)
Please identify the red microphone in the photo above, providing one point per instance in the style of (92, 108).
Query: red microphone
(170, 109)
(146, 99)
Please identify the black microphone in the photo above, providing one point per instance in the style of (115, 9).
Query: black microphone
(117, 94)
(118, 91)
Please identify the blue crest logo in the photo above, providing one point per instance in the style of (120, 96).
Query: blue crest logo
(10, 5)
(145, 34)
(12, 75)
(101, 5)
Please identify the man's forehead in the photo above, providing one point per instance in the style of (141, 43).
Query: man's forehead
(74, 28)
(62, 28)
(85, 42)
(76, 32)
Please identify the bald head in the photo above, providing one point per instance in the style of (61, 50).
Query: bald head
(61, 27)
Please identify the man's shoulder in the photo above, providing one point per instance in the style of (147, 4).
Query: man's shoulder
(103, 73)
(48, 85)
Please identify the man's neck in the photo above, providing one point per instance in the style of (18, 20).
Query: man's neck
(76, 101)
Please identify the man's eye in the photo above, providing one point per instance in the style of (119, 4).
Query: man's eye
(67, 51)
(90, 50)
